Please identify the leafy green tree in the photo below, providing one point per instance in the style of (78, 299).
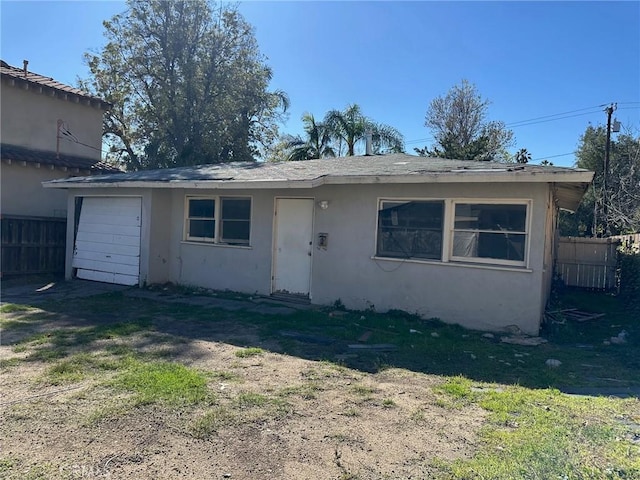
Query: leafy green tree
(350, 127)
(317, 144)
(623, 186)
(187, 84)
(458, 122)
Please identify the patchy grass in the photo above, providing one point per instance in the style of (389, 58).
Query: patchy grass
(530, 431)
(163, 382)
(249, 352)
(546, 434)
(12, 308)
(211, 422)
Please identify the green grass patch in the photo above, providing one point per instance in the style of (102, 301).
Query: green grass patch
(249, 352)
(163, 382)
(14, 307)
(546, 434)
(77, 367)
(211, 422)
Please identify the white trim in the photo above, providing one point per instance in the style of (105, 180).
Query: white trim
(407, 200)
(483, 266)
(216, 245)
(448, 230)
(494, 201)
(217, 219)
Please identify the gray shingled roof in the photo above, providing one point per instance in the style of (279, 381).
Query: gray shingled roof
(47, 83)
(357, 169)
(569, 183)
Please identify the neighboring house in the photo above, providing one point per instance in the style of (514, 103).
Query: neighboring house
(469, 242)
(48, 130)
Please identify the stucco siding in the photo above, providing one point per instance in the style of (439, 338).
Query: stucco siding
(473, 295)
(30, 119)
(22, 192)
(246, 269)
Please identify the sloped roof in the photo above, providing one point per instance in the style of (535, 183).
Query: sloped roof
(396, 168)
(23, 77)
(17, 153)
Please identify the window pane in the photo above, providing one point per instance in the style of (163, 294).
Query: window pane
(410, 229)
(511, 218)
(202, 228)
(235, 231)
(201, 208)
(501, 246)
(236, 208)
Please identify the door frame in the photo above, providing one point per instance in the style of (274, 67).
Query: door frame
(274, 240)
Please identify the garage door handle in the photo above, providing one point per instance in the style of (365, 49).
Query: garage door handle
(108, 256)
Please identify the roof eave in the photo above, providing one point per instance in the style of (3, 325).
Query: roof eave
(569, 177)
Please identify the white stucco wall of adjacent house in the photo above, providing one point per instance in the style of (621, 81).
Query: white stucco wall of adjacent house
(485, 297)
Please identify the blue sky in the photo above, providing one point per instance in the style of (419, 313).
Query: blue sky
(530, 59)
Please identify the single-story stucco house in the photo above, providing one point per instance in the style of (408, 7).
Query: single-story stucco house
(472, 243)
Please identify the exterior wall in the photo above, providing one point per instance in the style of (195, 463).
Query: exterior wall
(476, 296)
(480, 297)
(30, 119)
(245, 269)
(21, 191)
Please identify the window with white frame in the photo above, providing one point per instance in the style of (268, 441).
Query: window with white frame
(221, 220)
(490, 233)
(410, 229)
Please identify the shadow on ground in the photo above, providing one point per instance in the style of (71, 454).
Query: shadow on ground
(77, 315)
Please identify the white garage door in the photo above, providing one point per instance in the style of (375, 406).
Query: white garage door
(107, 245)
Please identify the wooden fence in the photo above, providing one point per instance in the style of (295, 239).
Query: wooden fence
(32, 245)
(588, 262)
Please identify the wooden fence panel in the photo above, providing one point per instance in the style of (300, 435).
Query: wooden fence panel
(588, 262)
(32, 245)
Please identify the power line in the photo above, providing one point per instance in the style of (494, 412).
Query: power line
(546, 157)
(552, 119)
(513, 124)
(544, 119)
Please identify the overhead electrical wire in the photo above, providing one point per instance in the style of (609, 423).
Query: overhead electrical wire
(550, 118)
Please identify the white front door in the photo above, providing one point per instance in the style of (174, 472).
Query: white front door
(107, 247)
(293, 246)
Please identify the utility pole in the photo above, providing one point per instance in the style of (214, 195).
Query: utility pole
(605, 203)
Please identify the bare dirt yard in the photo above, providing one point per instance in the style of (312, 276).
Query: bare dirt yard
(133, 386)
(267, 415)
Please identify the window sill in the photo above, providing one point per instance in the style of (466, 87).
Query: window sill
(482, 266)
(218, 245)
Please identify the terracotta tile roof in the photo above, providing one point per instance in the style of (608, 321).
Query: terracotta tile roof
(19, 75)
(16, 153)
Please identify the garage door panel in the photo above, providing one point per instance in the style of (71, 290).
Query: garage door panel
(107, 257)
(132, 231)
(107, 247)
(98, 205)
(105, 266)
(108, 277)
(108, 238)
(113, 220)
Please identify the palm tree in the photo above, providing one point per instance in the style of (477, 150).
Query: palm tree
(351, 126)
(523, 156)
(317, 143)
